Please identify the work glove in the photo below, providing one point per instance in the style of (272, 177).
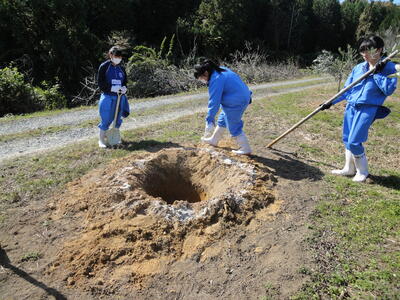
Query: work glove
(115, 88)
(325, 105)
(379, 67)
(397, 74)
(209, 130)
(123, 90)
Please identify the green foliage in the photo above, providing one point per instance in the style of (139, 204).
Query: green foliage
(16, 96)
(32, 256)
(82, 30)
(327, 22)
(151, 73)
(371, 19)
(50, 97)
(351, 11)
(222, 24)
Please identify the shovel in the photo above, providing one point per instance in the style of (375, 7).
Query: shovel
(112, 134)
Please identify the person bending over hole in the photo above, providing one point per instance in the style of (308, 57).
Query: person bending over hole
(228, 92)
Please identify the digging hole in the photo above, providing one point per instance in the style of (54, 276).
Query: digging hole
(173, 183)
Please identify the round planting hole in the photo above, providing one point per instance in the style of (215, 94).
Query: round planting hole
(173, 182)
(147, 209)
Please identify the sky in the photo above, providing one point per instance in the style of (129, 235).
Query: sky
(395, 1)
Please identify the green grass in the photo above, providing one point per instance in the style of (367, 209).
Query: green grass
(365, 222)
(355, 230)
(32, 256)
(44, 113)
(356, 227)
(33, 133)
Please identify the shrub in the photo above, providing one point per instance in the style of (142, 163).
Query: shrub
(253, 67)
(19, 97)
(50, 97)
(150, 75)
(16, 96)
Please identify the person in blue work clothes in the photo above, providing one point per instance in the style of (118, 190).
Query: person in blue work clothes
(228, 92)
(364, 105)
(112, 79)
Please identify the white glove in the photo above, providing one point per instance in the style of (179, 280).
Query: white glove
(209, 130)
(115, 88)
(124, 90)
(397, 67)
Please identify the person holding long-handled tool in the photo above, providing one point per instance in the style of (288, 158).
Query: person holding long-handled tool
(366, 89)
(113, 105)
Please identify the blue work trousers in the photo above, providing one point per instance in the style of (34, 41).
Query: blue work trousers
(356, 123)
(231, 118)
(107, 106)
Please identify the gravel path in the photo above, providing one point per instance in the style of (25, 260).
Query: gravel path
(18, 147)
(76, 117)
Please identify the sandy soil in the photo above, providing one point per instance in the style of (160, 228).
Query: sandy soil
(119, 232)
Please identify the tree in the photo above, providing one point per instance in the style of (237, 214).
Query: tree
(337, 66)
(53, 36)
(327, 26)
(222, 24)
(370, 19)
(351, 11)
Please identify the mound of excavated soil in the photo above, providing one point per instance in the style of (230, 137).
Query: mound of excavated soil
(144, 211)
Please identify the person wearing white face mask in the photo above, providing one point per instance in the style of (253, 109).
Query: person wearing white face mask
(112, 79)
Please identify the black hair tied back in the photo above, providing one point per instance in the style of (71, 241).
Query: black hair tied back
(206, 65)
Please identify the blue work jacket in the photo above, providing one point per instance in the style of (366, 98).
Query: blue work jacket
(373, 90)
(226, 89)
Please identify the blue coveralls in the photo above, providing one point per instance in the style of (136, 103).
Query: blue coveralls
(108, 76)
(363, 103)
(228, 92)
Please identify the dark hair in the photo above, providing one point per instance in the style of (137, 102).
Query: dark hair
(370, 42)
(116, 51)
(206, 65)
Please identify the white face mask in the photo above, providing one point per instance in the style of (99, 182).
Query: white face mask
(116, 60)
(204, 81)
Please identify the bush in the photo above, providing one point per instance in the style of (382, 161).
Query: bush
(19, 97)
(50, 97)
(150, 75)
(16, 96)
(253, 67)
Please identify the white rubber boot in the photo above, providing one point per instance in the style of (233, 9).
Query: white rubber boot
(216, 136)
(102, 139)
(243, 143)
(349, 167)
(362, 168)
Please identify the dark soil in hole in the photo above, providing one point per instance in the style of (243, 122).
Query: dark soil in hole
(172, 184)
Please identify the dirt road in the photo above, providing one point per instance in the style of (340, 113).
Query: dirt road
(74, 132)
